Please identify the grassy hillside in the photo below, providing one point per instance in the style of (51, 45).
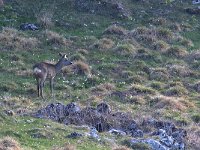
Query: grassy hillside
(151, 57)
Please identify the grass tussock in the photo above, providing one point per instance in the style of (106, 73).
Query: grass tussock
(193, 136)
(159, 74)
(186, 42)
(179, 70)
(176, 51)
(140, 89)
(8, 143)
(116, 30)
(160, 45)
(81, 68)
(125, 49)
(44, 18)
(66, 147)
(83, 51)
(193, 56)
(77, 57)
(12, 39)
(54, 38)
(159, 21)
(150, 35)
(176, 27)
(121, 148)
(103, 44)
(171, 103)
(176, 91)
(103, 88)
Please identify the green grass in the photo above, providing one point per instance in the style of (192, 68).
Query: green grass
(131, 65)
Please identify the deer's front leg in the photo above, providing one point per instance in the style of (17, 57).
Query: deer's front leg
(51, 86)
(38, 87)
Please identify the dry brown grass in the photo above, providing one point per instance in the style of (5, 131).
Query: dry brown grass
(121, 148)
(172, 103)
(176, 51)
(54, 38)
(103, 88)
(156, 34)
(159, 74)
(159, 21)
(175, 27)
(81, 68)
(193, 136)
(125, 49)
(11, 39)
(138, 89)
(186, 42)
(179, 70)
(8, 143)
(45, 19)
(160, 45)
(193, 56)
(65, 147)
(117, 30)
(176, 91)
(103, 44)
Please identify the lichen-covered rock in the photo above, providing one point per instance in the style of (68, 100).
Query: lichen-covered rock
(103, 108)
(117, 132)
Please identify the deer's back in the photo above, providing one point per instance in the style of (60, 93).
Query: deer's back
(44, 69)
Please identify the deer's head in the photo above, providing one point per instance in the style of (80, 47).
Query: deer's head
(64, 60)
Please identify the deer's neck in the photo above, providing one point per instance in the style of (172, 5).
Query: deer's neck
(58, 66)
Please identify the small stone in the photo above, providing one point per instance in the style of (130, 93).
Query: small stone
(74, 135)
(117, 132)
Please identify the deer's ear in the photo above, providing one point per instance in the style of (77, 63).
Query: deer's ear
(60, 54)
(65, 56)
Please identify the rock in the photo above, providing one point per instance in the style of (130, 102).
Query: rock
(165, 139)
(74, 135)
(193, 11)
(195, 2)
(179, 135)
(132, 125)
(117, 132)
(137, 133)
(28, 26)
(9, 112)
(71, 109)
(103, 108)
(155, 145)
(197, 87)
(93, 133)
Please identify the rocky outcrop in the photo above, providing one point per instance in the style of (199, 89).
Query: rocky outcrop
(112, 8)
(102, 119)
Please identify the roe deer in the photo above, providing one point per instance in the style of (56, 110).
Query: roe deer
(45, 70)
